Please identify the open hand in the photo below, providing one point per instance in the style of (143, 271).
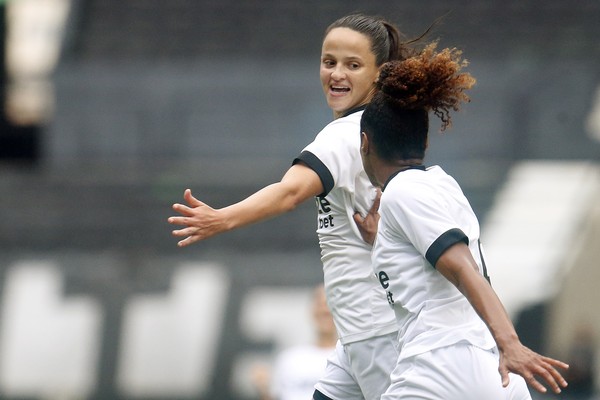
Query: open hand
(530, 364)
(200, 221)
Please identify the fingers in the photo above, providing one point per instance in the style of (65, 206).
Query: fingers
(504, 375)
(190, 233)
(184, 210)
(547, 372)
(193, 220)
(177, 221)
(375, 207)
(190, 199)
(373, 211)
(551, 375)
(556, 375)
(536, 385)
(187, 241)
(546, 369)
(358, 218)
(556, 363)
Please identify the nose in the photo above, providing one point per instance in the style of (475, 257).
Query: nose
(338, 73)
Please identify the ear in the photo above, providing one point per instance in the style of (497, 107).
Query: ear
(364, 143)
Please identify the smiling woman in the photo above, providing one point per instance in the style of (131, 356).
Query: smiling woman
(330, 169)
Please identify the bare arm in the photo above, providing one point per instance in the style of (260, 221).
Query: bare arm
(200, 221)
(459, 267)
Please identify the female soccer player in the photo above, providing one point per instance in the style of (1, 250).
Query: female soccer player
(330, 169)
(455, 335)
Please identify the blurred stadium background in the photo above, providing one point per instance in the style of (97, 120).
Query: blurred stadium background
(111, 108)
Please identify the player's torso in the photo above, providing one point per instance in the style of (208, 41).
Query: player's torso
(354, 296)
(429, 309)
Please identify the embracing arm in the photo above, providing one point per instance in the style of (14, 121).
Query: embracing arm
(459, 267)
(200, 221)
(367, 226)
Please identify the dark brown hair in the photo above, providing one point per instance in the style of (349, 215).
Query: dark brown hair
(386, 43)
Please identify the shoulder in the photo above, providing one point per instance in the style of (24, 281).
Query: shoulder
(409, 184)
(342, 127)
(410, 191)
(339, 139)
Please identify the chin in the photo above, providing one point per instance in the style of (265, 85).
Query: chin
(338, 106)
(339, 109)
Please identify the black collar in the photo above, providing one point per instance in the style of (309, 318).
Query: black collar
(353, 110)
(392, 176)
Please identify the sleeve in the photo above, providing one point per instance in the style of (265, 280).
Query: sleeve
(423, 218)
(314, 163)
(334, 151)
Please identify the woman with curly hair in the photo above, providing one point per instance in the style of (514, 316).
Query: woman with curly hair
(455, 334)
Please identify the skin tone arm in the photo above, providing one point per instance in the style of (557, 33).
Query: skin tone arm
(459, 267)
(200, 221)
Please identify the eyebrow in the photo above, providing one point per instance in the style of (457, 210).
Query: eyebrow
(351, 58)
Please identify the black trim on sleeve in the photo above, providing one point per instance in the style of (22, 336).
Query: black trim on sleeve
(317, 165)
(442, 243)
(485, 271)
(320, 396)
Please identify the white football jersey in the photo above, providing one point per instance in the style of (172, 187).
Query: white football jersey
(356, 299)
(423, 213)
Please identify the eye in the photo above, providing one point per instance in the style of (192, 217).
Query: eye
(328, 63)
(354, 66)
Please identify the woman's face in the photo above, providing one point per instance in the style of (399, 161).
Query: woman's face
(348, 71)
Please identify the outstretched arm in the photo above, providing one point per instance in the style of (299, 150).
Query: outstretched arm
(200, 221)
(459, 267)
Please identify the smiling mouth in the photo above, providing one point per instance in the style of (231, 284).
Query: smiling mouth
(339, 89)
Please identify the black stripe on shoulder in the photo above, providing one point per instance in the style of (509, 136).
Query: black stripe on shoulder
(317, 165)
(320, 396)
(442, 243)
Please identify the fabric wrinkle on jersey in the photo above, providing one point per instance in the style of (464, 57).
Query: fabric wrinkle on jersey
(357, 301)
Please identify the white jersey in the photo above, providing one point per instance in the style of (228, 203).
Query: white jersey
(423, 213)
(357, 301)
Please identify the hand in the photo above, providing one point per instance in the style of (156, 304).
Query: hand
(367, 226)
(200, 220)
(529, 364)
